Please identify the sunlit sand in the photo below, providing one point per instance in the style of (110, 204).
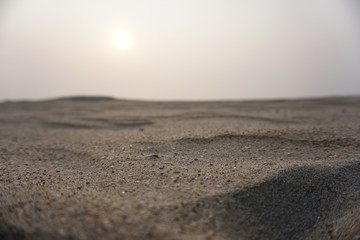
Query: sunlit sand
(101, 168)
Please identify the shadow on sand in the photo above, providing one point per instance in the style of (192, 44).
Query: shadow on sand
(286, 206)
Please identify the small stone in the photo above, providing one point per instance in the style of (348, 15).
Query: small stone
(152, 157)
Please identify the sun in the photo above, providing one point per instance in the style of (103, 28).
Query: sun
(122, 41)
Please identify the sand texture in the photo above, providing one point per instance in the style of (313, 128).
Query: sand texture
(99, 168)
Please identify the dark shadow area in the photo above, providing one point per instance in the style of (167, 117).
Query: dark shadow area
(84, 99)
(190, 116)
(132, 123)
(213, 115)
(66, 125)
(94, 124)
(286, 206)
(13, 233)
(337, 142)
(126, 122)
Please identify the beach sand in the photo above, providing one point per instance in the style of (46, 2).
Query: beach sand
(99, 168)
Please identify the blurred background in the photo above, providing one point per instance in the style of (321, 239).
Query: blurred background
(179, 50)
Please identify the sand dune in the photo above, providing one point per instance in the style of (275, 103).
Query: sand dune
(101, 168)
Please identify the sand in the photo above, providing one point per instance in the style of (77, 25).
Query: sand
(99, 168)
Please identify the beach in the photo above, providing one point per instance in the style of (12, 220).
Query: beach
(102, 168)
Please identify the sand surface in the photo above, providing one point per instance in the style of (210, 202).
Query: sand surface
(87, 168)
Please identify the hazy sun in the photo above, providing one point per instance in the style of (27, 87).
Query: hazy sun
(122, 41)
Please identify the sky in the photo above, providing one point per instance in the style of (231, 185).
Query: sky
(179, 50)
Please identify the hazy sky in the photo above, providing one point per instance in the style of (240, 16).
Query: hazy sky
(188, 49)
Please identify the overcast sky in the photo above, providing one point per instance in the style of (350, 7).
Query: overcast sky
(188, 49)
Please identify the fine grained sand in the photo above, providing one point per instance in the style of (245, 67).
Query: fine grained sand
(98, 168)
